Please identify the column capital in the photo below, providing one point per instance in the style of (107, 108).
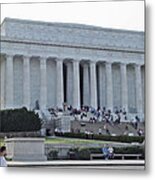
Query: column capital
(108, 62)
(85, 65)
(123, 63)
(42, 58)
(76, 61)
(43, 61)
(68, 64)
(92, 62)
(9, 56)
(59, 59)
(26, 56)
(137, 65)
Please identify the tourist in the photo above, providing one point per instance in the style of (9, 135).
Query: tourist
(91, 134)
(111, 152)
(86, 134)
(99, 131)
(140, 132)
(105, 152)
(3, 162)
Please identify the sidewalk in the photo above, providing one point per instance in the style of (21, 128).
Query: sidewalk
(102, 164)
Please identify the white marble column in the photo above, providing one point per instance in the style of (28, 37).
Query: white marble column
(9, 81)
(26, 83)
(86, 94)
(2, 82)
(69, 83)
(59, 84)
(138, 89)
(109, 86)
(124, 86)
(76, 84)
(93, 85)
(43, 83)
(100, 75)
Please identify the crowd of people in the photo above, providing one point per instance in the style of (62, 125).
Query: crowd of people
(96, 115)
(101, 114)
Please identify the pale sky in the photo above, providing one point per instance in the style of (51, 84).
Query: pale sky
(109, 14)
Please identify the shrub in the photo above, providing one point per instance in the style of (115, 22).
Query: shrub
(84, 153)
(73, 135)
(18, 120)
(81, 153)
(52, 155)
(73, 153)
(127, 139)
(130, 150)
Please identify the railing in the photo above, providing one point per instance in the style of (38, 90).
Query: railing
(123, 156)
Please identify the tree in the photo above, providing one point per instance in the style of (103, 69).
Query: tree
(18, 120)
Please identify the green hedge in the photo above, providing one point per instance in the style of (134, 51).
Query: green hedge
(127, 139)
(130, 150)
(123, 138)
(84, 153)
(52, 155)
(18, 120)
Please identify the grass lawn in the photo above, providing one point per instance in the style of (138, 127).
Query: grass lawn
(1, 142)
(73, 141)
(66, 141)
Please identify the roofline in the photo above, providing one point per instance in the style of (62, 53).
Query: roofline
(72, 25)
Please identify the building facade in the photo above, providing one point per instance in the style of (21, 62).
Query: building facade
(53, 63)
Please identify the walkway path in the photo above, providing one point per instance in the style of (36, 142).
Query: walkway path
(102, 164)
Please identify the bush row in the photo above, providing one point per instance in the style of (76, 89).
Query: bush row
(127, 139)
(84, 153)
(19, 120)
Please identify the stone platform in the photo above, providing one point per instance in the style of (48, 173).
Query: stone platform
(25, 149)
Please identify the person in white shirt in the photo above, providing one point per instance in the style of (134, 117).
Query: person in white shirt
(3, 162)
(111, 152)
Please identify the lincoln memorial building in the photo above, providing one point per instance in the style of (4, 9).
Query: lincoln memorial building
(53, 63)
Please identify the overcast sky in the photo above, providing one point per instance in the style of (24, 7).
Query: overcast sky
(114, 14)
